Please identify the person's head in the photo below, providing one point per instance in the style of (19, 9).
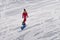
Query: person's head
(24, 9)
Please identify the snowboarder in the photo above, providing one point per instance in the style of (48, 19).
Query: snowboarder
(24, 16)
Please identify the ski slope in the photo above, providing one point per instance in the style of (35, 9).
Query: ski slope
(43, 22)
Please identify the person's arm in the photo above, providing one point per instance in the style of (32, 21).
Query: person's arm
(27, 15)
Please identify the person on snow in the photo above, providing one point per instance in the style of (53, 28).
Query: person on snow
(24, 16)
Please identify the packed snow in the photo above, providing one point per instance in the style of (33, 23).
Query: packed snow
(43, 22)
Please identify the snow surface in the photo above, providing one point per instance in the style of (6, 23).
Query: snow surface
(43, 22)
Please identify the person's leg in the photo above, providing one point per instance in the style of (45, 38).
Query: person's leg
(23, 24)
(24, 21)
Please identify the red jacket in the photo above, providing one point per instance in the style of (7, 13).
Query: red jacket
(24, 15)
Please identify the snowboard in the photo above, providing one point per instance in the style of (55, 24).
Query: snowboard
(23, 26)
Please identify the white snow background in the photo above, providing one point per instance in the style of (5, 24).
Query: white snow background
(43, 22)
